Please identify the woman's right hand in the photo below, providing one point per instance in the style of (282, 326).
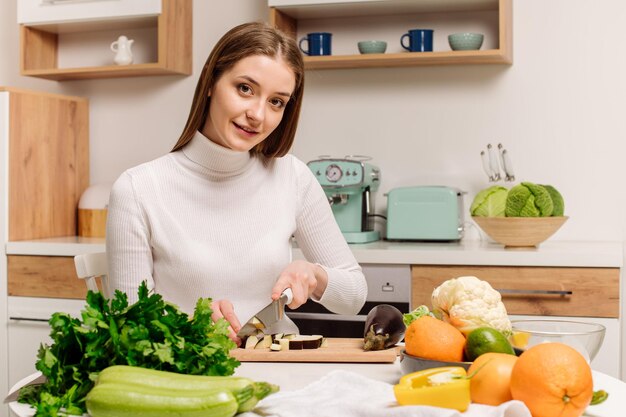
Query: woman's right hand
(224, 309)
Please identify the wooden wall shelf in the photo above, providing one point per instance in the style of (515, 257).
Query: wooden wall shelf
(40, 46)
(287, 17)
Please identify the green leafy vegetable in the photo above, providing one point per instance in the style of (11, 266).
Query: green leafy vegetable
(150, 333)
(557, 200)
(529, 200)
(599, 397)
(411, 316)
(490, 202)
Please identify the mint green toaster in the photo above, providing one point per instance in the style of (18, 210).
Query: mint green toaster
(425, 213)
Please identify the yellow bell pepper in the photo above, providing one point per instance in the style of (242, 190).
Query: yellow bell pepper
(447, 387)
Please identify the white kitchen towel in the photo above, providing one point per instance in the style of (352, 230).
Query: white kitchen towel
(347, 394)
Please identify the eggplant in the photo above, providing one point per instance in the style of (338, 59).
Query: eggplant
(384, 327)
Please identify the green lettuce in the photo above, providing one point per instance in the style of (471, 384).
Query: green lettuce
(529, 200)
(490, 202)
(411, 316)
(557, 200)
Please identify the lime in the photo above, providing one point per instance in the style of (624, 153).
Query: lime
(486, 339)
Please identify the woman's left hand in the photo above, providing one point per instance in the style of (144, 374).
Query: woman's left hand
(304, 278)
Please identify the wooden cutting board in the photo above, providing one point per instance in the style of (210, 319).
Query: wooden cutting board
(338, 350)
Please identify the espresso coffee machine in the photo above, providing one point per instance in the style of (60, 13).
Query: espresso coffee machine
(348, 183)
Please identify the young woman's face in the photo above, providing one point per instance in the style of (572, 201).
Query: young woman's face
(248, 102)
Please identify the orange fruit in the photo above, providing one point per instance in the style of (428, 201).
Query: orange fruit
(490, 381)
(431, 338)
(552, 379)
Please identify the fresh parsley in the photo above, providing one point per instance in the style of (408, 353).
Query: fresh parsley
(150, 333)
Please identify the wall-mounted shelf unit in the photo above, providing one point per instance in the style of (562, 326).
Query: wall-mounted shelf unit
(169, 29)
(362, 18)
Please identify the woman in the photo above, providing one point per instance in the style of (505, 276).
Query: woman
(214, 217)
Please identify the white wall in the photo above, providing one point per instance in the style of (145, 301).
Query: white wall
(557, 109)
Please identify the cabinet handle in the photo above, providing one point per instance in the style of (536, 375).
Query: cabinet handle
(326, 316)
(28, 319)
(562, 293)
(53, 2)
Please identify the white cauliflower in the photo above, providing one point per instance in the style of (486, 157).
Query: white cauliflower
(468, 303)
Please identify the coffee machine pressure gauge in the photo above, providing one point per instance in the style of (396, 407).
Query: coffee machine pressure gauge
(333, 173)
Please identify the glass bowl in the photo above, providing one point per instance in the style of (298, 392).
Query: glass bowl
(585, 337)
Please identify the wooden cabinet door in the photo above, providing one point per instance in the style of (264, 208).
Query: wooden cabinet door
(544, 291)
(44, 276)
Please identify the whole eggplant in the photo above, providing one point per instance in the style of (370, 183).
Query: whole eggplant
(383, 327)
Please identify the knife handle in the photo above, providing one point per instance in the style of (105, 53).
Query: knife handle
(288, 294)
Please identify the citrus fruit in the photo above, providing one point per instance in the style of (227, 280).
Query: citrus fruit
(552, 379)
(486, 339)
(490, 381)
(431, 338)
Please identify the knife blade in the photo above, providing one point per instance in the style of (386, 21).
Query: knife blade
(267, 316)
(33, 379)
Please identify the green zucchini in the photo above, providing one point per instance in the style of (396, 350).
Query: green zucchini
(247, 392)
(131, 400)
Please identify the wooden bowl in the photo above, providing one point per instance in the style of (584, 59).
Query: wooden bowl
(520, 231)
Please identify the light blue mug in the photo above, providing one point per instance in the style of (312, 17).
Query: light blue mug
(420, 40)
(318, 43)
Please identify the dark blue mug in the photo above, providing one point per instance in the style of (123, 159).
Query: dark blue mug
(318, 43)
(420, 40)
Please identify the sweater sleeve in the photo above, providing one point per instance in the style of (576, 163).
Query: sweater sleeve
(127, 243)
(322, 242)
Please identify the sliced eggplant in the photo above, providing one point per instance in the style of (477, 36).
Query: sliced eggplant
(251, 342)
(265, 342)
(306, 342)
(284, 344)
(275, 347)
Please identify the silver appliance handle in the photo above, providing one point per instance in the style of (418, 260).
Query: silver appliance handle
(562, 293)
(325, 316)
(29, 319)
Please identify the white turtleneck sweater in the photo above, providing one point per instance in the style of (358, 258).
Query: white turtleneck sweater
(207, 221)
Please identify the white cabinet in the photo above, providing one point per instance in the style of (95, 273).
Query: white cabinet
(38, 12)
(28, 328)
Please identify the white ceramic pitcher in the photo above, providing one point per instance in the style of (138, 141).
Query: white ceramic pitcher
(123, 53)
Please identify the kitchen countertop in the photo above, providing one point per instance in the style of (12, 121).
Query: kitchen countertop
(601, 254)
(292, 376)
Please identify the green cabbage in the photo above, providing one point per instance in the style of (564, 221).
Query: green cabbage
(557, 200)
(529, 200)
(490, 202)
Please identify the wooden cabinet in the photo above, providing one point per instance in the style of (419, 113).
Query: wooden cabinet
(44, 276)
(46, 141)
(543, 291)
(574, 293)
(81, 35)
(353, 20)
(44, 155)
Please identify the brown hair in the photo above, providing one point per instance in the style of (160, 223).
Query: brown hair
(238, 43)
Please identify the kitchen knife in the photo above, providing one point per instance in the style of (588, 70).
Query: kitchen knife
(268, 315)
(33, 379)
